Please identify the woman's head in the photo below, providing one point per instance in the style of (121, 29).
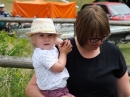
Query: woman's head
(91, 23)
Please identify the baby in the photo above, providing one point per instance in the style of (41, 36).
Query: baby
(48, 61)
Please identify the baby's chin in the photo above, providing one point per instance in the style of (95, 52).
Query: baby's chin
(46, 48)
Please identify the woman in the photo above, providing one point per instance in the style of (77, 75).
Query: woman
(97, 68)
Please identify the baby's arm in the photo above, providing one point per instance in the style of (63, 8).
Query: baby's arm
(58, 41)
(64, 50)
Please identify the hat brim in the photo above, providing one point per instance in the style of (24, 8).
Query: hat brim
(29, 34)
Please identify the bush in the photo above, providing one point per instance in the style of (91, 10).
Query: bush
(13, 80)
(12, 46)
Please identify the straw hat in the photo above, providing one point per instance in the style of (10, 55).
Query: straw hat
(42, 25)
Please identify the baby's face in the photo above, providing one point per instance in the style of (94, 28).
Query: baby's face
(44, 41)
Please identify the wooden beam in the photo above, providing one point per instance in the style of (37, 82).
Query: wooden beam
(21, 62)
(16, 62)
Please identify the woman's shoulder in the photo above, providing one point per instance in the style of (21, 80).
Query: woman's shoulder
(108, 43)
(72, 40)
(109, 46)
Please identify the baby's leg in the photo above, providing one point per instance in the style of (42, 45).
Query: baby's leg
(62, 92)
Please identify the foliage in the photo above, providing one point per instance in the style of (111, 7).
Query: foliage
(125, 49)
(14, 80)
(11, 46)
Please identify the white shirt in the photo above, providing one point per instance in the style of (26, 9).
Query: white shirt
(43, 60)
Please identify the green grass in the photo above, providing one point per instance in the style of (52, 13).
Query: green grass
(125, 49)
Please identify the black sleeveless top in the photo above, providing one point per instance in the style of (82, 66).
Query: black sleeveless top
(95, 77)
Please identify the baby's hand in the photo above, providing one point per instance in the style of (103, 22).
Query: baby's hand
(65, 47)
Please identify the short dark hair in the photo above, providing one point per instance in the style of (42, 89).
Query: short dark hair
(90, 20)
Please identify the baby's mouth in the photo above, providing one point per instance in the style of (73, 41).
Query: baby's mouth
(46, 44)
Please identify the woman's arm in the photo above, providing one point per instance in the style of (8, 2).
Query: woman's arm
(32, 89)
(123, 86)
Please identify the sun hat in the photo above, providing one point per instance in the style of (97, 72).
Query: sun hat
(42, 25)
(2, 5)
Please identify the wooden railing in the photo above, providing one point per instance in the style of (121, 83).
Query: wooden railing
(21, 62)
(58, 20)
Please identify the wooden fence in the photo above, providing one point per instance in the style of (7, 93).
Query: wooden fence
(21, 62)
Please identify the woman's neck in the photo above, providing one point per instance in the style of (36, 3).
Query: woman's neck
(87, 52)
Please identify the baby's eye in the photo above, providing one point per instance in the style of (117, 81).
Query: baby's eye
(41, 35)
(50, 35)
